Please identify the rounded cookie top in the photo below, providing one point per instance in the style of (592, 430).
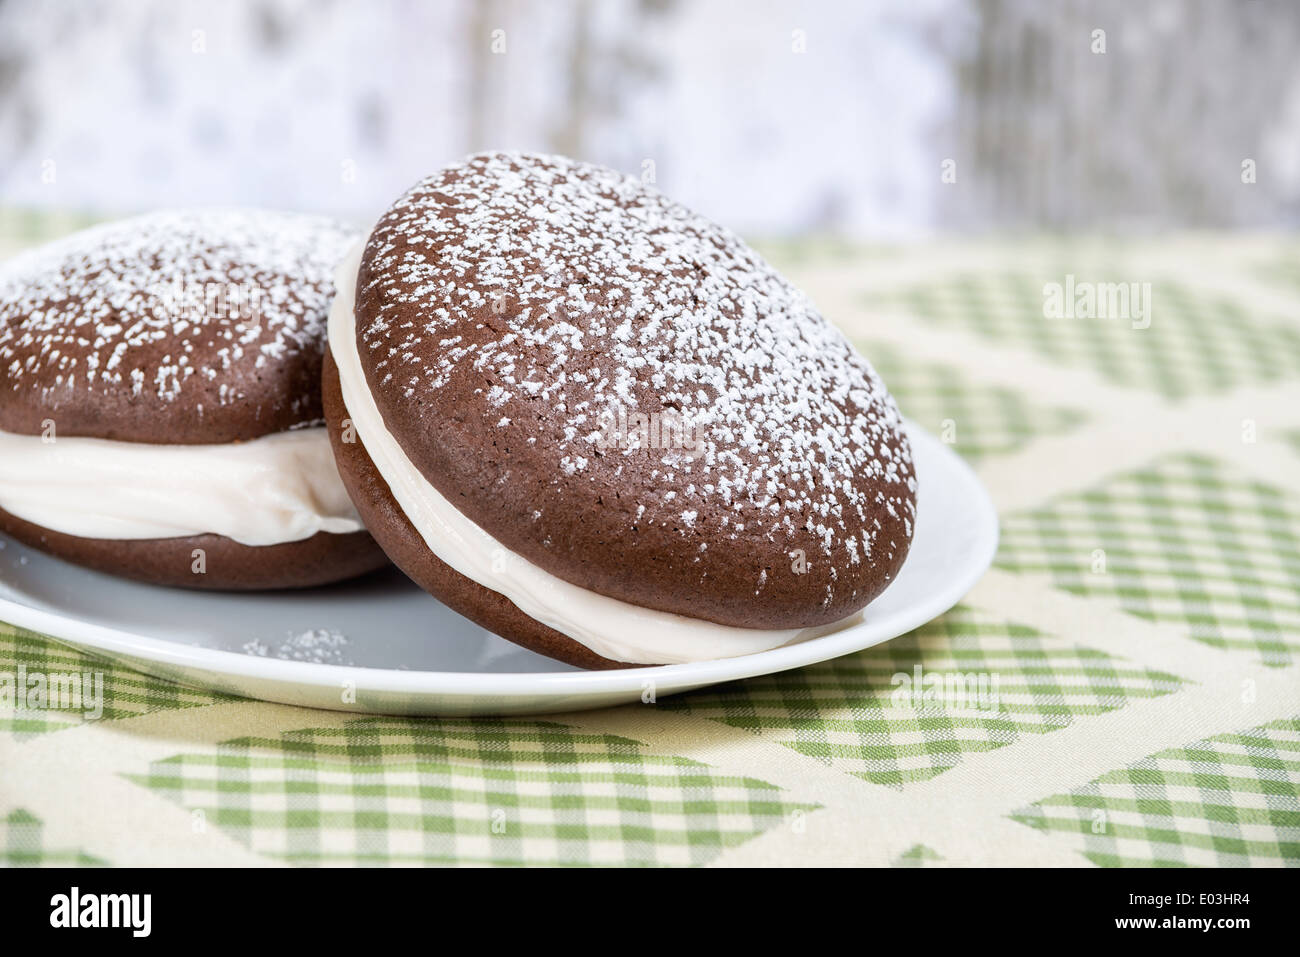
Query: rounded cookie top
(627, 395)
(182, 327)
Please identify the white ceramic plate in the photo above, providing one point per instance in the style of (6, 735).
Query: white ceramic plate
(379, 644)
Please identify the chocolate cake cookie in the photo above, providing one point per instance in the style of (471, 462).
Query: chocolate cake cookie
(603, 426)
(160, 408)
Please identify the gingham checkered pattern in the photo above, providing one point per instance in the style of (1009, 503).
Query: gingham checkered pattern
(914, 707)
(1186, 541)
(1197, 343)
(442, 791)
(125, 692)
(976, 419)
(1225, 801)
(22, 845)
(1192, 624)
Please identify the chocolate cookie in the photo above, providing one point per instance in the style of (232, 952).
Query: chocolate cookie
(612, 412)
(385, 518)
(160, 411)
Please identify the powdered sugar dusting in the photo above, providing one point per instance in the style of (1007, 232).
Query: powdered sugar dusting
(584, 290)
(163, 307)
(320, 646)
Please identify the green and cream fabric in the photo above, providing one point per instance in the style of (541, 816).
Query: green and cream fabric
(125, 693)
(1226, 801)
(21, 845)
(381, 790)
(1123, 688)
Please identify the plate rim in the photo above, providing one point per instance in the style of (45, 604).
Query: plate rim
(96, 638)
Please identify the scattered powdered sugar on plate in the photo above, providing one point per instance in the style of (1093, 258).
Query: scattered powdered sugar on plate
(316, 645)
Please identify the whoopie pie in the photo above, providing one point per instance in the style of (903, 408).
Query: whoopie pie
(160, 408)
(602, 426)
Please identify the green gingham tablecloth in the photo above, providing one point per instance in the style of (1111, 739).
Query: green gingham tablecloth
(1138, 636)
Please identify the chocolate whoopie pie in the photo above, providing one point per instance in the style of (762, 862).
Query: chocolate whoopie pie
(602, 426)
(160, 408)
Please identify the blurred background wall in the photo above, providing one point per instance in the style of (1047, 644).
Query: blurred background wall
(866, 119)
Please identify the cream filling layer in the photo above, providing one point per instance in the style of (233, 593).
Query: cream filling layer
(611, 628)
(278, 488)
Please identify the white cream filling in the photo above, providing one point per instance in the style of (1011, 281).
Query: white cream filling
(611, 628)
(278, 488)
